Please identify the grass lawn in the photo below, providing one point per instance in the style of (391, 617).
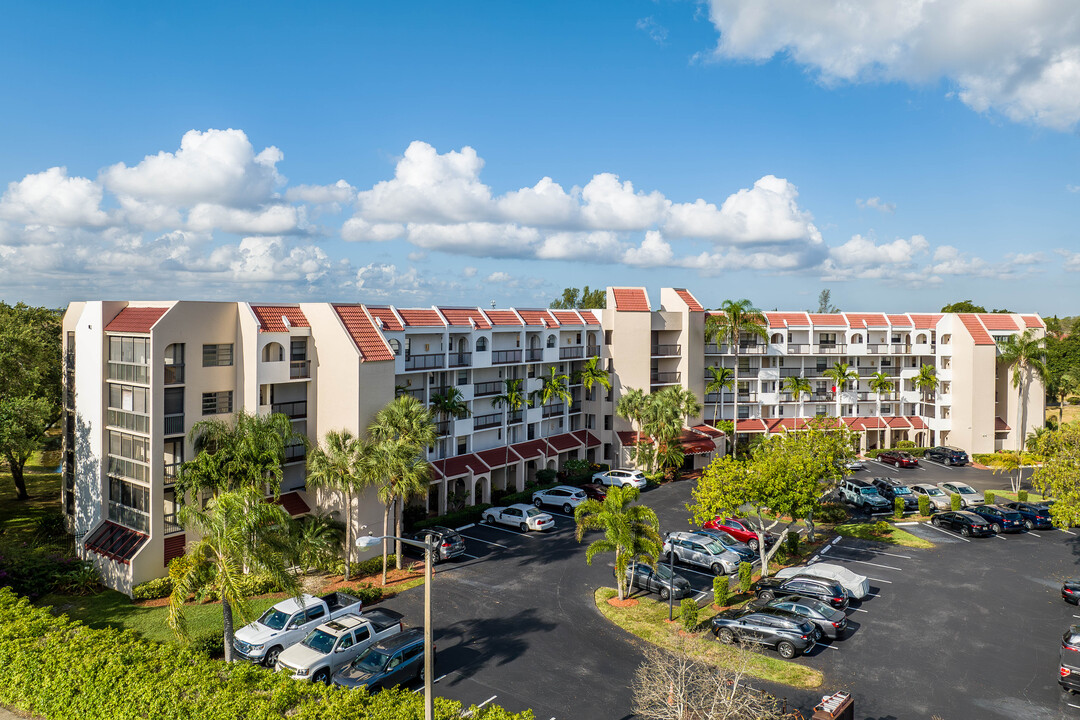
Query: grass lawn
(892, 536)
(1011, 496)
(1072, 412)
(648, 621)
(19, 518)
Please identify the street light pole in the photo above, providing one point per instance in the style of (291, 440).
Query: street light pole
(671, 582)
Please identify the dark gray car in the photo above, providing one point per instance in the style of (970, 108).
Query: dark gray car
(386, 664)
(448, 543)
(658, 581)
(830, 621)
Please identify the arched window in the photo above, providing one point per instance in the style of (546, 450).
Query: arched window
(921, 339)
(273, 352)
(776, 338)
(856, 339)
(395, 345)
(551, 341)
(481, 344)
(945, 341)
(462, 345)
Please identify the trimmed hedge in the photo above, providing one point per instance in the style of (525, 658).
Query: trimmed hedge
(689, 614)
(746, 576)
(916, 451)
(153, 589)
(63, 670)
(924, 505)
(954, 502)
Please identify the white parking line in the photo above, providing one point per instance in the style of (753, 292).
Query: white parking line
(487, 701)
(999, 537)
(1076, 616)
(865, 562)
(489, 542)
(471, 557)
(512, 532)
(858, 610)
(686, 569)
(466, 527)
(943, 530)
(880, 580)
(831, 647)
(1071, 705)
(440, 677)
(1067, 531)
(876, 552)
(1033, 533)
(872, 595)
(701, 595)
(559, 514)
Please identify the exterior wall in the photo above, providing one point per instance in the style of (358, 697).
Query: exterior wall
(628, 352)
(85, 320)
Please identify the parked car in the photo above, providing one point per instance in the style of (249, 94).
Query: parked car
(701, 550)
(855, 585)
(448, 543)
(855, 464)
(561, 496)
(1036, 516)
(1070, 591)
(969, 496)
(594, 491)
(938, 499)
(659, 581)
(334, 644)
(388, 663)
(636, 478)
(825, 590)
(898, 458)
(1000, 519)
(523, 517)
(728, 541)
(891, 488)
(831, 622)
(790, 636)
(946, 455)
(288, 622)
(964, 522)
(1069, 659)
(741, 530)
(863, 495)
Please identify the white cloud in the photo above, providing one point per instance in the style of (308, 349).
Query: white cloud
(767, 212)
(862, 258)
(340, 193)
(478, 239)
(1070, 260)
(653, 29)
(612, 205)
(1021, 59)
(357, 229)
(654, 252)
(498, 277)
(270, 220)
(546, 203)
(1032, 258)
(1073, 188)
(53, 198)
(599, 246)
(468, 271)
(876, 203)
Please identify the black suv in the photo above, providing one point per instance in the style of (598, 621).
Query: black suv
(946, 455)
(777, 629)
(1069, 672)
(965, 522)
(821, 589)
(1036, 516)
(448, 543)
(891, 488)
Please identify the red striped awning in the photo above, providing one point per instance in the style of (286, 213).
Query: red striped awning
(564, 442)
(293, 503)
(1000, 425)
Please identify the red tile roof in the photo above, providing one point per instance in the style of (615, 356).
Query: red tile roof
(369, 341)
(696, 445)
(568, 317)
(787, 319)
(925, 322)
(293, 503)
(538, 317)
(503, 317)
(873, 423)
(421, 317)
(631, 299)
(975, 328)
(587, 438)
(269, 317)
(998, 321)
(900, 423)
(1032, 321)
(460, 465)
(917, 422)
(564, 442)
(531, 449)
(690, 300)
(828, 320)
(900, 321)
(386, 314)
(867, 320)
(708, 431)
(1000, 425)
(136, 319)
(496, 457)
(629, 438)
(591, 316)
(751, 425)
(465, 317)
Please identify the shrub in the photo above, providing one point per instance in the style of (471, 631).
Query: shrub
(1022, 496)
(831, 513)
(577, 471)
(83, 579)
(721, 590)
(898, 508)
(924, 505)
(954, 502)
(210, 644)
(905, 444)
(251, 585)
(546, 476)
(689, 614)
(989, 495)
(792, 543)
(746, 576)
(881, 528)
(50, 527)
(34, 570)
(367, 593)
(371, 566)
(455, 519)
(153, 589)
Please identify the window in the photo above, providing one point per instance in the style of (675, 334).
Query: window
(129, 494)
(607, 337)
(217, 403)
(776, 338)
(174, 401)
(217, 355)
(551, 341)
(297, 350)
(273, 352)
(395, 345)
(128, 446)
(481, 344)
(607, 422)
(130, 398)
(463, 377)
(174, 364)
(856, 338)
(129, 350)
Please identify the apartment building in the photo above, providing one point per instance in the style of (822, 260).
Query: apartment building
(139, 375)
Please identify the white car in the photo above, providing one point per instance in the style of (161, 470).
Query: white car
(561, 496)
(523, 517)
(855, 464)
(857, 586)
(969, 496)
(634, 478)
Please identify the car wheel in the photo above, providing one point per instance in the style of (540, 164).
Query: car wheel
(717, 569)
(538, 502)
(271, 656)
(786, 650)
(523, 527)
(753, 544)
(935, 521)
(567, 509)
(965, 531)
(996, 527)
(765, 595)
(896, 463)
(725, 636)
(1029, 525)
(489, 519)
(947, 461)
(322, 676)
(664, 593)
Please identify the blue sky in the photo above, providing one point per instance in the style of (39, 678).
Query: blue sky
(459, 153)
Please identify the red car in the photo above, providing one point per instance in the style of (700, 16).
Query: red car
(741, 530)
(898, 458)
(595, 491)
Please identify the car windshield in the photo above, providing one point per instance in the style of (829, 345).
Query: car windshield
(663, 572)
(371, 661)
(319, 641)
(901, 490)
(274, 619)
(934, 492)
(868, 491)
(532, 512)
(579, 495)
(714, 548)
(965, 489)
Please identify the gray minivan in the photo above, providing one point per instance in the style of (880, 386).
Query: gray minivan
(391, 662)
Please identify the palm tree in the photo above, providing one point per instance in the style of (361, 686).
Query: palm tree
(315, 540)
(592, 374)
(450, 403)
(632, 532)
(631, 406)
(334, 467)
(513, 399)
(554, 387)
(1065, 384)
(1027, 357)
(238, 531)
(881, 385)
(720, 379)
(738, 318)
(841, 374)
(799, 387)
(687, 402)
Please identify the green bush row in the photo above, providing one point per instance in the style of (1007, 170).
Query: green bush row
(60, 669)
(371, 566)
(831, 513)
(38, 569)
(250, 585)
(916, 451)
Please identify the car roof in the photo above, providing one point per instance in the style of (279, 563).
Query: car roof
(858, 483)
(396, 642)
(341, 625)
(520, 506)
(571, 488)
(968, 514)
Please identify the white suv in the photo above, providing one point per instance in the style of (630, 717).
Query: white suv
(635, 478)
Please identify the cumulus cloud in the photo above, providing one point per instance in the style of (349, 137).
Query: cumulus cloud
(1020, 59)
(498, 277)
(1069, 260)
(876, 203)
(862, 258)
(653, 252)
(340, 193)
(766, 213)
(357, 229)
(53, 198)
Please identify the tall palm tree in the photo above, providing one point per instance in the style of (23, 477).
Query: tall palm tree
(739, 318)
(1065, 384)
(687, 402)
(662, 420)
(631, 406)
(238, 530)
(513, 399)
(720, 379)
(334, 467)
(554, 387)
(592, 374)
(841, 374)
(450, 403)
(799, 387)
(1026, 355)
(632, 532)
(881, 385)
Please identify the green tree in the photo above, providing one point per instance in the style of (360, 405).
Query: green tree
(718, 380)
(926, 381)
(824, 302)
(737, 319)
(632, 532)
(631, 406)
(238, 532)
(573, 298)
(512, 398)
(591, 374)
(335, 467)
(1024, 353)
(1061, 385)
(450, 403)
(554, 386)
(662, 422)
(800, 388)
(1056, 476)
(964, 306)
(841, 374)
(30, 383)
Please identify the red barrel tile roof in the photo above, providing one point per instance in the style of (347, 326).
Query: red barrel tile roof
(503, 317)
(1000, 425)
(787, 319)
(421, 317)
(460, 465)
(369, 341)
(975, 328)
(708, 431)
(998, 321)
(293, 503)
(465, 317)
(867, 320)
(269, 317)
(568, 317)
(564, 442)
(828, 319)
(690, 300)
(751, 425)
(925, 322)
(531, 449)
(902, 321)
(386, 314)
(542, 318)
(587, 438)
(631, 299)
(497, 457)
(136, 319)
(1032, 321)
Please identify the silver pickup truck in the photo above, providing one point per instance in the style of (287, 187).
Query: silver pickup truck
(335, 644)
(288, 623)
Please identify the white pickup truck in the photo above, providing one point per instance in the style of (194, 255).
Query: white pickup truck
(288, 623)
(335, 644)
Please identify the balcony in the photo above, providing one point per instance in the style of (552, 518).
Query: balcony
(460, 359)
(171, 525)
(299, 369)
(575, 407)
(130, 421)
(791, 372)
(129, 517)
(483, 422)
(487, 388)
(293, 410)
(174, 424)
(124, 372)
(170, 472)
(424, 362)
(503, 357)
(830, 348)
(753, 348)
(534, 355)
(798, 348)
(571, 353)
(876, 349)
(666, 350)
(666, 378)
(435, 390)
(174, 374)
(900, 349)
(554, 410)
(743, 397)
(442, 428)
(592, 351)
(515, 417)
(295, 453)
(415, 393)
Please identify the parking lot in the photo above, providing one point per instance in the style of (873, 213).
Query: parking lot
(968, 629)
